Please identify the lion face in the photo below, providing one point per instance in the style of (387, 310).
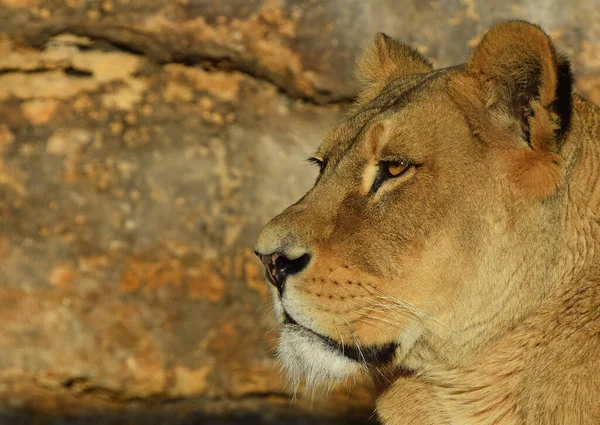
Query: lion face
(408, 245)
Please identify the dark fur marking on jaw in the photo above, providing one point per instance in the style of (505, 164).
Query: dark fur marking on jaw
(375, 355)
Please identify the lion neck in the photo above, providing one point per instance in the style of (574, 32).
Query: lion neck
(451, 395)
(582, 150)
(516, 378)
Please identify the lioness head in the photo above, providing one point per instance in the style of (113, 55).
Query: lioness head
(433, 221)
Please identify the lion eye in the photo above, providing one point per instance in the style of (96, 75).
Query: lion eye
(390, 170)
(395, 169)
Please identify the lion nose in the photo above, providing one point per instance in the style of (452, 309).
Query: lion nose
(279, 267)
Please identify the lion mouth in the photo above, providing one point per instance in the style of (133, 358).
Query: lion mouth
(375, 355)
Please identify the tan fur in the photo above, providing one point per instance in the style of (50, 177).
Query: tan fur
(384, 60)
(481, 263)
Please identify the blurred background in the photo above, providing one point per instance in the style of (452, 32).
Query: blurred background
(143, 145)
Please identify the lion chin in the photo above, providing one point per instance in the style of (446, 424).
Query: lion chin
(304, 354)
(323, 362)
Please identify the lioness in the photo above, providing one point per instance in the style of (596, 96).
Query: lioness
(450, 246)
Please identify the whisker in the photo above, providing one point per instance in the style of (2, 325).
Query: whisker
(397, 300)
(375, 319)
(271, 328)
(341, 338)
(390, 297)
(262, 304)
(374, 304)
(356, 341)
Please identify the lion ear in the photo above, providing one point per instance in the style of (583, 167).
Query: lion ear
(387, 58)
(522, 74)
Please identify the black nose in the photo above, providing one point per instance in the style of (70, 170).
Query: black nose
(279, 267)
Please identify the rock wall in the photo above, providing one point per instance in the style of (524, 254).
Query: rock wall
(143, 144)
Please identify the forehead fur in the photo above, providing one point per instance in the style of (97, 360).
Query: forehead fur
(399, 95)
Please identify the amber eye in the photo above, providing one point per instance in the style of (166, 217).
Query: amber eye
(390, 170)
(396, 168)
